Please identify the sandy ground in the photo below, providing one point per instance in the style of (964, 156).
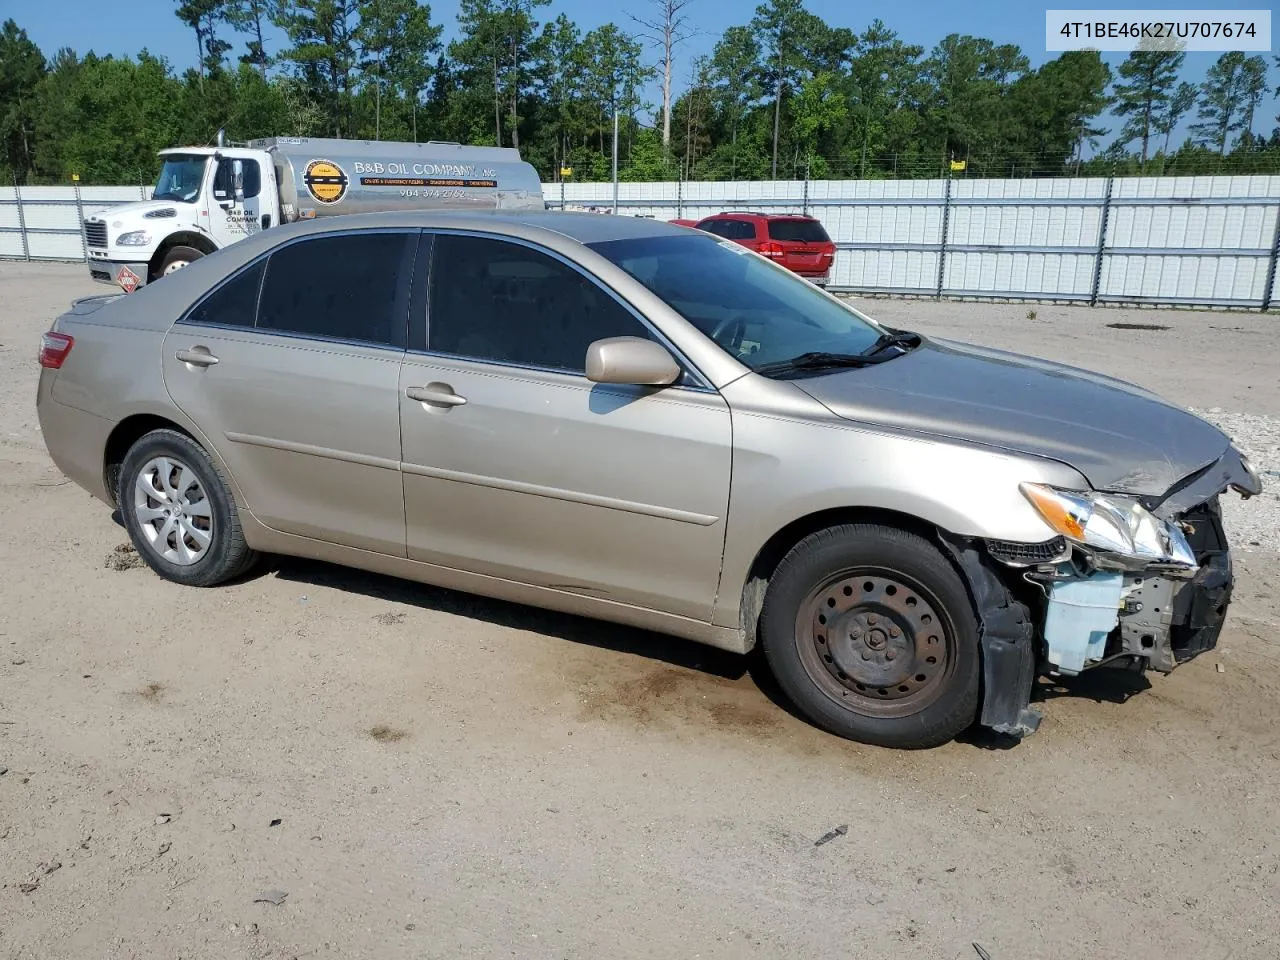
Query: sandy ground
(429, 775)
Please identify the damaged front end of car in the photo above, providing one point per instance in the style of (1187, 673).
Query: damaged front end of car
(1142, 582)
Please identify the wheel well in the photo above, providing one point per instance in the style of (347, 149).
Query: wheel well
(197, 240)
(126, 433)
(780, 544)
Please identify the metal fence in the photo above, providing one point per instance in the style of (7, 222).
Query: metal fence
(1210, 241)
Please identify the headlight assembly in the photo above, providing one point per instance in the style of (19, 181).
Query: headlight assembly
(1111, 525)
(137, 238)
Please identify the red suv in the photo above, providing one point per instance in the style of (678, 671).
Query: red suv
(797, 242)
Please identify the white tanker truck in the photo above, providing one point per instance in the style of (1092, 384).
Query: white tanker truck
(208, 197)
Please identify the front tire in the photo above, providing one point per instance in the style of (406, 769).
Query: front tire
(870, 632)
(177, 258)
(179, 513)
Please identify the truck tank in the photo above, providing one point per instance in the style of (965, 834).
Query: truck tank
(324, 177)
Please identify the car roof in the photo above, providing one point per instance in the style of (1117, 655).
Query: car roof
(750, 215)
(582, 227)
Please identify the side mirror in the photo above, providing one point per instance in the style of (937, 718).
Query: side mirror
(631, 360)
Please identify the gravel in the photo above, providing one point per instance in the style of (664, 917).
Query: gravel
(1254, 524)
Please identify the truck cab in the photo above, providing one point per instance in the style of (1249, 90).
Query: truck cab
(203, 199)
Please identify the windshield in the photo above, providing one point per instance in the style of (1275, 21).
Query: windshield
(180, 179)
(756, 311)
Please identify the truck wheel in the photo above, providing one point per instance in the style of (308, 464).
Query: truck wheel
(179, 513)
(870, 633)
(177, 258)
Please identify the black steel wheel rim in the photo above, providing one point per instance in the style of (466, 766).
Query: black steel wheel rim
(876, 642)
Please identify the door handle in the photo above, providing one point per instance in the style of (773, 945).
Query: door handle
(199, 357)
(436, 394)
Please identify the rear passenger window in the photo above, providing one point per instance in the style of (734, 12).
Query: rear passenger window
(349, 287)
(233, 304)
(732, 229)
(503, 302)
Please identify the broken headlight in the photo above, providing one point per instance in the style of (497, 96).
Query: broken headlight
(1110, 524)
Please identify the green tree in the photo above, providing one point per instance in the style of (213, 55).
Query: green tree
(819, 106)
(881, 76)
(735, 74)
(22, 68)
(1054, 109)
(323, 53)
(966, 109)
(396, 39)
(612, 75)
(1229, 95)
(785, 27)
(248, 16)
(520, 31)
(104, 118)
(1181, 103)
(1149, 80)
(202, 17)
(560, 70)
(478, 57)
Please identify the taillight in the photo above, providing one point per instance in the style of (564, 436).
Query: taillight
(772, 250)
(54, 348)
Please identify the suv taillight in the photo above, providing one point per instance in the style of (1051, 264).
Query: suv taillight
(772, 249)
(54, 348)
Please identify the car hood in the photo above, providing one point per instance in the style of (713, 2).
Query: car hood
(1121, 437)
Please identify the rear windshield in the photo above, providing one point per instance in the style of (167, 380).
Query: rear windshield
(798, 231)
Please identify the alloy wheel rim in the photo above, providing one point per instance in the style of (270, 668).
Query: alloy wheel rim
(173, 511)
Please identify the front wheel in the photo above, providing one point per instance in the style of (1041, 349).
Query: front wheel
(179, 513)
(177, 258)
(870, 633)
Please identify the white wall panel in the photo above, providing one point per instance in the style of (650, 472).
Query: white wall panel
(1006, 238)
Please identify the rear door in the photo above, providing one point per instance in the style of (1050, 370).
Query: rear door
(806, 247)
(291, 371)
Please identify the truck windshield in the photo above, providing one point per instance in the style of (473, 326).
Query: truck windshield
(180, 179)
(759, 313)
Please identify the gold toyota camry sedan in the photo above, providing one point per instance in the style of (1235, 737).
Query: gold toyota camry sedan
(647, 424)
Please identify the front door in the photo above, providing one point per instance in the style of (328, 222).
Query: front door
(238, 194)
(516, 466)
(297, 388)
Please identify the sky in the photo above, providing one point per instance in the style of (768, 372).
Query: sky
(83, 25)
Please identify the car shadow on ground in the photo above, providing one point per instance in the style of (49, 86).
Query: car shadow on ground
(1100, 686)
(501, 613)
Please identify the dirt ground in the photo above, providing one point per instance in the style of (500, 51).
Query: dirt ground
(429, 775)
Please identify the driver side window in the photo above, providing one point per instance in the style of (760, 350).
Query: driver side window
(229, 171)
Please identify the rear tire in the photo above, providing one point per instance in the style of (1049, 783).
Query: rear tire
(179, 513)
(870, 632)
(177, 258)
